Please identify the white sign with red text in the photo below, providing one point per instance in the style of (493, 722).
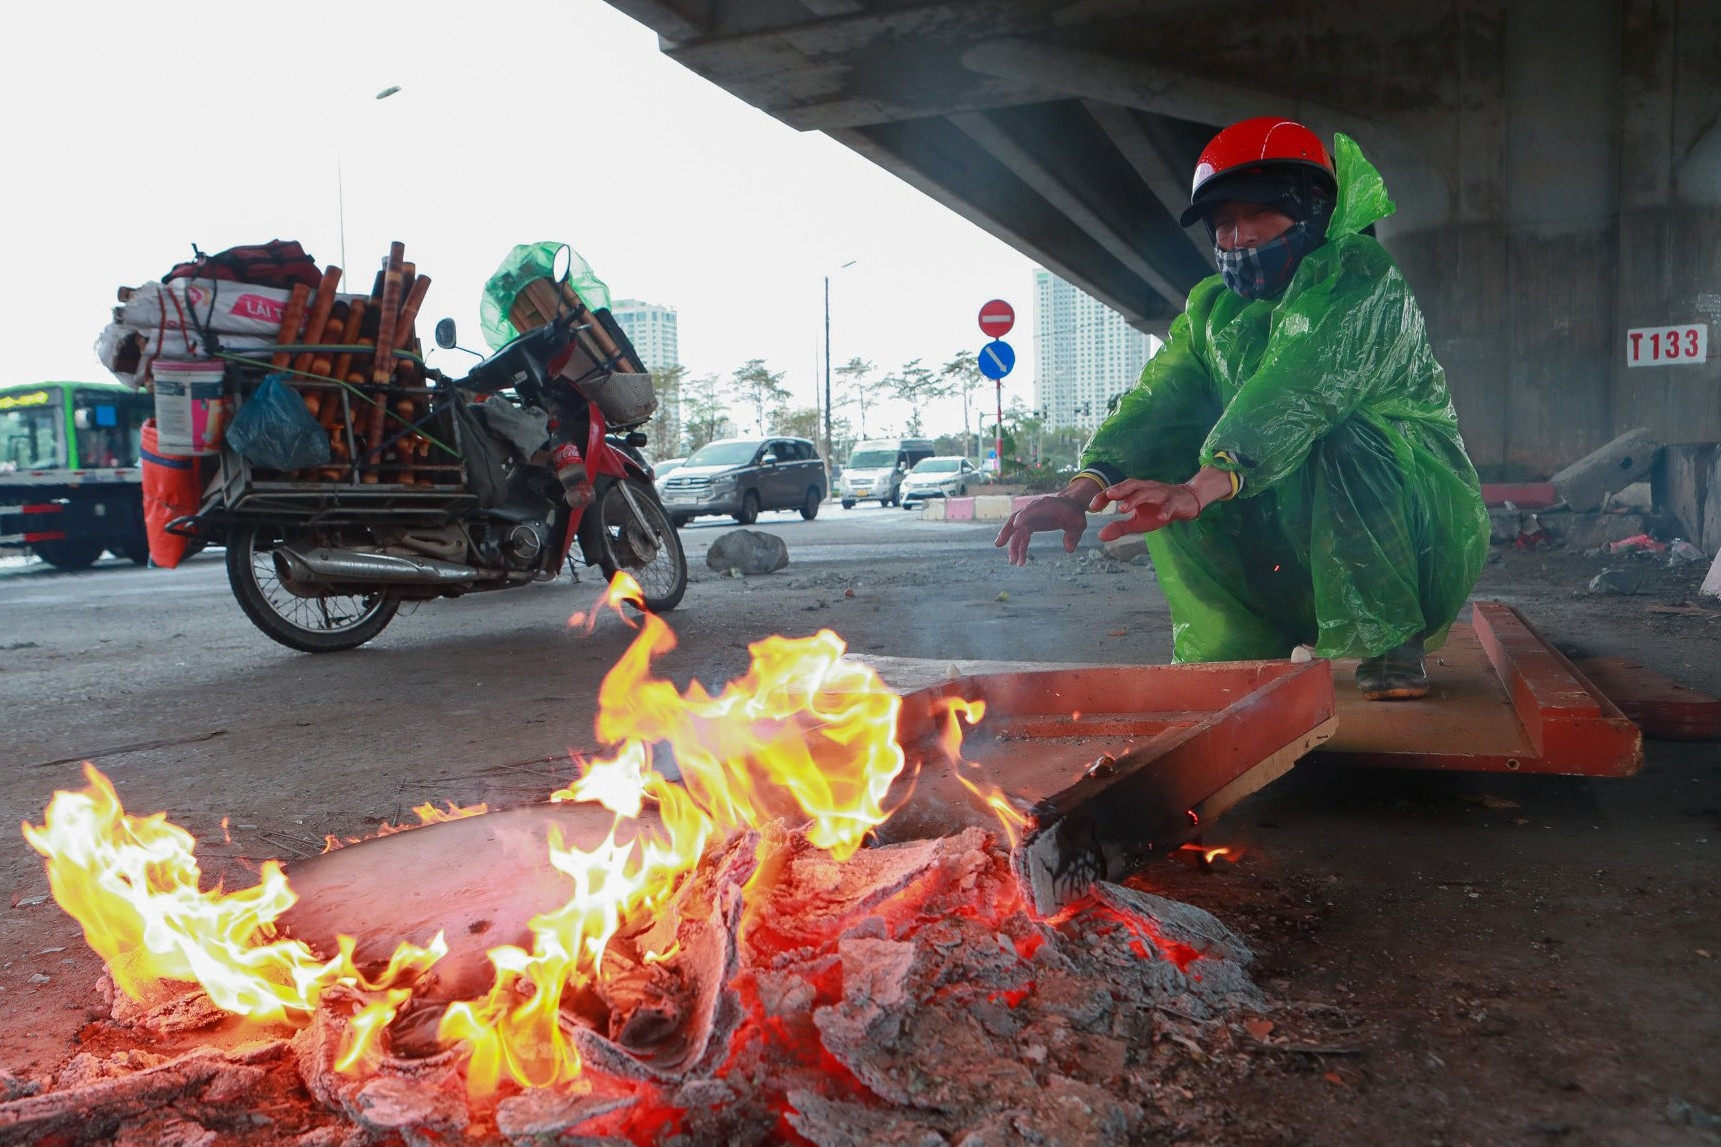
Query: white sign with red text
(1667, 346)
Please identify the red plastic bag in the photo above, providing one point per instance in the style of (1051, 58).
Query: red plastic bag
(1637, 542)
(171, 486)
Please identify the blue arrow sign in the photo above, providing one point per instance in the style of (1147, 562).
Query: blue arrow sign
(997, 359)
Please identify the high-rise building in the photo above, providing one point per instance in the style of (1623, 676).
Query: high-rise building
(1086, 352)
(651, 330)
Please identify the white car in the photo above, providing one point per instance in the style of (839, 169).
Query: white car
(946, 476)
(661, 470)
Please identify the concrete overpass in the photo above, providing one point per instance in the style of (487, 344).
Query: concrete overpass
(1556, 163)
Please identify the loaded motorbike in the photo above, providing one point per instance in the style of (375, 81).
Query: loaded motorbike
(542, 452)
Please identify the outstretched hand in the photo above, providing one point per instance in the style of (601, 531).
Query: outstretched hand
(1049, 512)
(1150, 506)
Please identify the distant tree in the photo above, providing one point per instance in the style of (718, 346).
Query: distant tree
(756, 385)
(665, 428)
(707, 414)
(1062, 446)
(963, 375)
(803, 423)
(953, 443)
(1022, 431)
(916, 386)
(856, 391)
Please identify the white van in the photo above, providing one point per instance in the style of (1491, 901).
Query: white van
(876, 467)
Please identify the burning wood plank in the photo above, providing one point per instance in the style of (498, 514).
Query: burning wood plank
(477, 880)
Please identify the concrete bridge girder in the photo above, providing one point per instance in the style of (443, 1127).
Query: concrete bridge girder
(1556, 163)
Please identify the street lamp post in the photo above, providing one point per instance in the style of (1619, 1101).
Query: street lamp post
(845, 266)
(341, 183)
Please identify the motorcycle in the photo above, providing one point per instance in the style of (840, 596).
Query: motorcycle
(322, 567)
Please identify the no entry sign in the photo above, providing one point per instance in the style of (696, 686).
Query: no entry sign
(996, 318)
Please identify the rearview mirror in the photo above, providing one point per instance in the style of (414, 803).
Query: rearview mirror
(445, 337)
(562, 264)
(768, 460)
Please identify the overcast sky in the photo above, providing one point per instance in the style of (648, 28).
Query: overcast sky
(135, 130)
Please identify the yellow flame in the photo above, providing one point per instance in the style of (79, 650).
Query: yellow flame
(958, 711)
(805, 737)
(427, 813)
(135, 886)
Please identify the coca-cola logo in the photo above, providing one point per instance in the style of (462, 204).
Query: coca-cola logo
(258, 307)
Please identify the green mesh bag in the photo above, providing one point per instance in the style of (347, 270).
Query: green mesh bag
(524, 263)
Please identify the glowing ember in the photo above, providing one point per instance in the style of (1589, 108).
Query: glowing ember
(805, 737)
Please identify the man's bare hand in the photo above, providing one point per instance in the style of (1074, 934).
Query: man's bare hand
(1150, 506)
(1050, 512)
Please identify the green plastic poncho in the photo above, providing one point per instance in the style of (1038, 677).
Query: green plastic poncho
(1360, 523)
(526, 262)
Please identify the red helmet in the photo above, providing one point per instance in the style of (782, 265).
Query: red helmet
(1257, 161)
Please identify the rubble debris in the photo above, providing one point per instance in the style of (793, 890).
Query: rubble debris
(1681, 552)
(1617, 581)
(1625, 460)
(750, 551)
(1125, 549)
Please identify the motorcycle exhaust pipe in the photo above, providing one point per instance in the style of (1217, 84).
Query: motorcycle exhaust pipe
(324, 565)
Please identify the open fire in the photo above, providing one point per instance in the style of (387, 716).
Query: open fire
(725, 950)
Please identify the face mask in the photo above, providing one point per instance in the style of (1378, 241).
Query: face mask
(1263, 272)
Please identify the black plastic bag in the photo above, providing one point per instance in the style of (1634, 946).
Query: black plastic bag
(275, 431)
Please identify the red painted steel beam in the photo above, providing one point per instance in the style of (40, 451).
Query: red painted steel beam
(1524, 495)
(1572, 725)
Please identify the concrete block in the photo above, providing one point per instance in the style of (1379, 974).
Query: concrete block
(1627, 459)
(1711, 539)
(993, 507)
(932, 510)
(1683, 488)
(1125, 549)
(959, 509)
(1589, 531)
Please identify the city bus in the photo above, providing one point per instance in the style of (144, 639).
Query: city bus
(70, 486)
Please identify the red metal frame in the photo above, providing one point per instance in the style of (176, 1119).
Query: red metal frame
(1503, 700)
(1109, 766)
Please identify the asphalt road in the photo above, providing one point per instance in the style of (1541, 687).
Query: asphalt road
(157, 678)
(1500, 954)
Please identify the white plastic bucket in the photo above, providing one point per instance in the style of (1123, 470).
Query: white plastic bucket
(191, 408)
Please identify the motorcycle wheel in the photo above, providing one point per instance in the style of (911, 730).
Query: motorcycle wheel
(650, 550)
(324, 624)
